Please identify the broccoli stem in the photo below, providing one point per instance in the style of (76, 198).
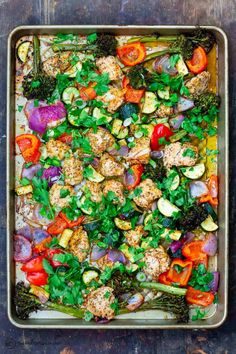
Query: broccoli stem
(72, 311)
(36, 55)
(160, 53)
(152, 39)
(162, 287)
(72, 47)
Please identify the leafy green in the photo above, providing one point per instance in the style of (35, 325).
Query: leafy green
(201, 278)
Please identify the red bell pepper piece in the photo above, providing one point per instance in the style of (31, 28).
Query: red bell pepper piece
(72, 223)
(132, 54)
(180, 271)
(34, 265)
(37, 278)
(136, 173)
(57, 226)
(29, 146)
(50, 253)
(160, 131)
(131, 94)
(163, 279)
(65, 138)
(200, 298)
(198, 62)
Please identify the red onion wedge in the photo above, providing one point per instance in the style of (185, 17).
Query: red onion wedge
(116, 256)
(31, 105)
(176, 122)
(135, 302)
(214, 284)
(51, 174)
(38, 218)
(39, 235)
(188, 237)
(97, 253)
(184, 104)
(40, 117)
(175, 246)
(198, 189)
(22, 249)
(210, 245)
(155, 155)
(31, 171)
(162, 65)
(25, 231)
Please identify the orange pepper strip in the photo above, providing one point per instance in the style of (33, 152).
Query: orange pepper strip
(180, 271)
(29, 146)
(193, 251)
(198, 62)
(200, 298)
(71, 223)
(131, 54)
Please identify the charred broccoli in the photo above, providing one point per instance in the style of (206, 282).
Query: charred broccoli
(37, 84)
(156, 173)
(202, 37)
(206, 100)
(138, 76)
(104, 45)
(185, 44)
(192, 218)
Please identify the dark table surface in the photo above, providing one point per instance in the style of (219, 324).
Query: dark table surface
(149, 12)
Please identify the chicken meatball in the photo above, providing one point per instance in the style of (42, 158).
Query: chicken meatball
(79, 244)
(156, 261)
(113, 99)
(199, 83)
(100, 141)
(72, 170)
(177, 154)
(110, 66)
(59, 196)
(149, 193)
(96, 191)
(140, 153)
(57, 64)
(133, 237)
(99, 302)
(56, 148)
(109, 167)
(117, 188)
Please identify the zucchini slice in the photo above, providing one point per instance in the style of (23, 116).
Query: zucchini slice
(73, 119)
(123, 133)
(72, 71)
(164, 94)
(124, 248)
(22, 51)
(194, 172)
(70, 94)
(85, 208)
(91, 225)
(210, 211)
(150, 103)
(94, 176)
(166, 207)
(98, 114)
(209, 225)
(123, 224)
(175, 181)
(23, 190)
(116, 126)
(172, 234)
(89, 275)
(181, 66)
(65, 238)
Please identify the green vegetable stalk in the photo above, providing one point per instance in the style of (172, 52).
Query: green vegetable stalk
(104, 45)
(26, 303)
(37, 84)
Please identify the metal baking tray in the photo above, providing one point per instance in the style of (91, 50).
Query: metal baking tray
(145, 320)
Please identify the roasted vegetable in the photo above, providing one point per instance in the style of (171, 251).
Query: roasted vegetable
(206, 100)
(37, 84)
(185, 44)
(104, 45)
(26, 303)
(192, 218)
(138, 76)
(155, 173)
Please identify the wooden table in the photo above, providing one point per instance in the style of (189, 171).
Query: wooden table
(149, 12)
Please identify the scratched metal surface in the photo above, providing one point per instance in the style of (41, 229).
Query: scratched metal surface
(212, 12)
